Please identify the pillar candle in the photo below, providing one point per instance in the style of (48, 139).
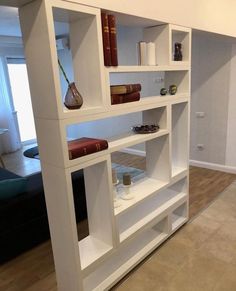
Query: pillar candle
(151, 54)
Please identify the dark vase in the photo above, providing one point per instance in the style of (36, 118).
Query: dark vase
(73, 99)
(178, 56)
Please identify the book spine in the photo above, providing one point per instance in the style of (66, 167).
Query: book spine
(125, 98)
(124, 89)
(106, 40)
(113, 41)
(81, 151)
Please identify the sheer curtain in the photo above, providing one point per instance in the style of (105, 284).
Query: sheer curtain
(10, 141)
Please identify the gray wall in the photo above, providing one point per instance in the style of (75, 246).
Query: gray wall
(211, 72)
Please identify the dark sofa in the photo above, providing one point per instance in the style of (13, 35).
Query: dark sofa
(23, 219)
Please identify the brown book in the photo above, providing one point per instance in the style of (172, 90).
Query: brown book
(85, 146)
(106, 40)
(125, 88)
(125, 98)
(113, 40)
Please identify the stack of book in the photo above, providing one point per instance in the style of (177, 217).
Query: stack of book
(125, 93)
(109, 39)
(84, 146)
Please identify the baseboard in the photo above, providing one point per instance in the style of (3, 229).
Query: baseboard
(212, 166)
(133, 152)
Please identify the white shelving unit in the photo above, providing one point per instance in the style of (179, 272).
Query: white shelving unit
(119, 238)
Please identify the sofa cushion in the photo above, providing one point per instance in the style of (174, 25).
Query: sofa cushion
(22, 209)
(12, 187)
(23, 218)
(5, 174)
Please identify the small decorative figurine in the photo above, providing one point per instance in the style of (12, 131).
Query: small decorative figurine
(127, 183)
(73, 99)
(172, 89)
(115, 182)
(163, 91)
(178, 56)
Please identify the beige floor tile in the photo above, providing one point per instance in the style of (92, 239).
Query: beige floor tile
(229, 194)
(227, 205)
(152, 275)
(173, 253)
(217, 214)
(198, 274)
(227, 230)
(220, 247)
(228, 280)
(193, 235)
(208, 224)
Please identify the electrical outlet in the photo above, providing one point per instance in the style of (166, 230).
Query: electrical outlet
(200, 147)
(200, 114)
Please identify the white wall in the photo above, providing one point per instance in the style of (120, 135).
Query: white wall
(213, 92)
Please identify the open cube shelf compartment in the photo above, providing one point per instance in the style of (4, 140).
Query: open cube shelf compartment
(127, 256)
(179, 216)
(151, 83)
(124, 135)
(155, 178)
(141, 215)
(179, 138)
(99, 242)
(82, 27)
(180, 35)
(165, 36)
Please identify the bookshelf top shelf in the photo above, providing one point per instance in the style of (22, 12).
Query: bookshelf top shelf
(175, 66)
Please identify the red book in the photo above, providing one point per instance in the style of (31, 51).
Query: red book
(85, 146)
(125, 88)
(125, 98)
(106, 40)
(113, 41)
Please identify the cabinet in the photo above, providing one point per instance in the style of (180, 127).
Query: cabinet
(119, 238)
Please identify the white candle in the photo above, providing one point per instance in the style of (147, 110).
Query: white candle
(142, 47)
(151, 54)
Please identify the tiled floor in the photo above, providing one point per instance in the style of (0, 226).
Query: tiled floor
(200, 257)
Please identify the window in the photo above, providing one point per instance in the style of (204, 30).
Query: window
(22, 99)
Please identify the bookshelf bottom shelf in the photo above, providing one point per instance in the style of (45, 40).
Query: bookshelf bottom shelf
(177, 221)
(176, 171)
(129, 255)
(91, 250)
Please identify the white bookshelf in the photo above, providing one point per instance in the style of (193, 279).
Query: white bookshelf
(119, 238)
